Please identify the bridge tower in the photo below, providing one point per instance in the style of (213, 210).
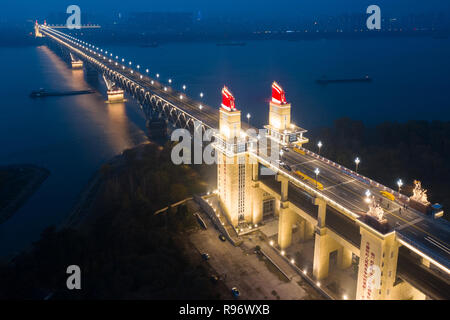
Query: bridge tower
(37, 31)
(378, 258)
(234, 168)
(280, 127)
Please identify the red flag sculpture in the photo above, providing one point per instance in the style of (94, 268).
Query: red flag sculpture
(278, 95)
(227, 100)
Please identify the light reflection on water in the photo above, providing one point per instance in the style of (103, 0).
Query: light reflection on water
(71, 136)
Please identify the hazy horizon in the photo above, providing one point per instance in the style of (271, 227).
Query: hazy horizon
(27, 9)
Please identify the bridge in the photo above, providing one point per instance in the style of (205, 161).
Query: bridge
(342, 211)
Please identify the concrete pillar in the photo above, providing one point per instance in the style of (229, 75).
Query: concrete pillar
(321, 255)
(77, 64)
(284, 187)
(344, 258)
(255, 173)
(426, 262)
(322, 211)
(377, 264)
(309, 230)
(301, 228)
(257, 204)
(115, 96)
(285, 221)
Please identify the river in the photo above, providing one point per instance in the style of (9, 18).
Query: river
(73, 136)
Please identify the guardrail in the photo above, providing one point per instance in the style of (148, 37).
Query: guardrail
(314, 284)
(354, 174)
(205, 206)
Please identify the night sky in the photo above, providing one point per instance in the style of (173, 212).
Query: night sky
(19, 9)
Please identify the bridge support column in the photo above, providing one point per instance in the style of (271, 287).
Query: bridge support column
(322, 250)
(322, 211)
(257, 204)
(285, 223)
(115, 96)
(284, 187)
(77, 64)
(344, 258)
(309, 230)
(377, 265)
(426, 262)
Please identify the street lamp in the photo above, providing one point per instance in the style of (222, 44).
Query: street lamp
(399, 184)
(368, 194)
(184, 87)
(319, 144)
(248, 118)
(201, 94)
(317, 171)
(157, 75)
(170, 80)
(357, 162)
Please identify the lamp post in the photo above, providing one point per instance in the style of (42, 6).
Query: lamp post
(248, 118)
(317, 171)
(399, 184)
(368, 194)
(201, 94)
(319, 144)
(357, 162)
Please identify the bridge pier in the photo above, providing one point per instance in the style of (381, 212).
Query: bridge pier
(285, 222)
(115, 96)
(77, 64)
(377, 264)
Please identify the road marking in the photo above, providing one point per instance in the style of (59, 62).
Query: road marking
(410, 223)
(345, 182)
(437, 244)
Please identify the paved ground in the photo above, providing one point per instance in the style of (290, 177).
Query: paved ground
(251, 273)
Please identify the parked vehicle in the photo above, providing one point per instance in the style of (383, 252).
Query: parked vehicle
(205, 256)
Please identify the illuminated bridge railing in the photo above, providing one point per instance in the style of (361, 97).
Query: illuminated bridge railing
(135, 78)
(354, 174)
(420, 249)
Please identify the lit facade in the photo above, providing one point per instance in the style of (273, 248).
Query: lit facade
(234, 170)
(280, 127)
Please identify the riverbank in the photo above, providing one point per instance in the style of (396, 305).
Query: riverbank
(124, 250)
(17, 184)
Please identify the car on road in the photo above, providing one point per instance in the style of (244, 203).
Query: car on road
(235, 292)
(205, 256)
(285, 149)
(222, 237)
(214, 278)
(287, 167)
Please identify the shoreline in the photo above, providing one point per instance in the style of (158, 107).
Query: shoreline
(83, 205)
